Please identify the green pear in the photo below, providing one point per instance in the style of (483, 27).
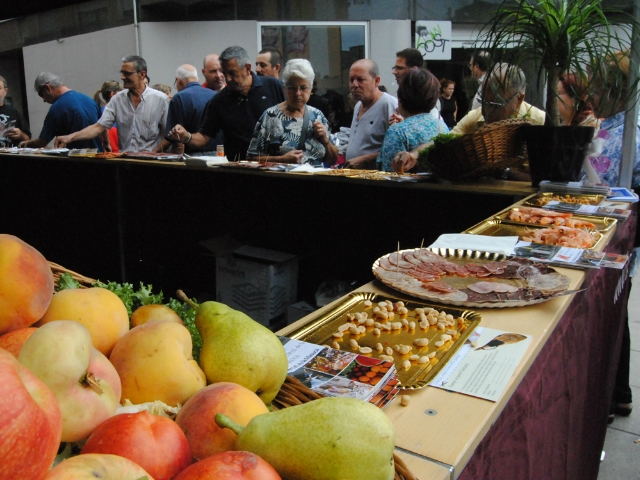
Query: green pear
(237, 349)
(327, 439)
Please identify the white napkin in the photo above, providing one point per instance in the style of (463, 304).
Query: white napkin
(482, 243)
(306, 168)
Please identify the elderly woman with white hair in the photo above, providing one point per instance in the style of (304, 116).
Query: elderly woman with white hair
(292, 131)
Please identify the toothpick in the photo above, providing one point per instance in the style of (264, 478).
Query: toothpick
(398, 259)
(421, 244)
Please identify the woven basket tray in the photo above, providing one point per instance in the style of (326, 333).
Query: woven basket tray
(488, 150)
(292, 392)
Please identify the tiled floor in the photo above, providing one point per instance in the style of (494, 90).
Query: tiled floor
(622, 454)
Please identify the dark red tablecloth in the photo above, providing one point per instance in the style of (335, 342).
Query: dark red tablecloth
(554, 425)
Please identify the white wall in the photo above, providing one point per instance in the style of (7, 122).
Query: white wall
(167, 45)
(83, 62)
(386, 38)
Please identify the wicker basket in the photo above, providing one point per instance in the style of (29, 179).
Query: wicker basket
(292, 392)
(488, 150)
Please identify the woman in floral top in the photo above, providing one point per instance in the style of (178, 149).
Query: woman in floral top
(609, 102)
(277, 133)
(418, 93)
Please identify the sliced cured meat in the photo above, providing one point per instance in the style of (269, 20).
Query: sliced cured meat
(439, 287)
(494, 268)
(428, 256)
(424, 277)
(500, 287)
(399, 261)
(411, 258)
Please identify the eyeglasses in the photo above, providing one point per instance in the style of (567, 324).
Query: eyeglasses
(495, 105)
(293, 89)
(41, 90)
(126, 74)
(471, 65)
(396, 68)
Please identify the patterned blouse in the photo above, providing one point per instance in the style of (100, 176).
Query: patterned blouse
(407, 135)
(607, 163)
(279, 130)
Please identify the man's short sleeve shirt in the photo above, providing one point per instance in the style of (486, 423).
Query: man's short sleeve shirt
(70, 113)
(139, 128)
(367, 134)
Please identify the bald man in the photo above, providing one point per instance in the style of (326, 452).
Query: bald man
(212, 71)
(186, 108)
(370, 117)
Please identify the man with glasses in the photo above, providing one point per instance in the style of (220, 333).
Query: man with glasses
(70, 111)
(139, 111)
(478, 65)
(408, 59)
(502, 98)
(236, 109)
(13, 127)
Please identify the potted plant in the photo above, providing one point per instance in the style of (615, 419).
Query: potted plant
(556, 38)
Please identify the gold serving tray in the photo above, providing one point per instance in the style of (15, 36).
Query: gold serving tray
(541, 199)
(603, 224)
(495, 227)
(321, 328)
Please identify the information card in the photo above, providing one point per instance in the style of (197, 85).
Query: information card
(483, 366)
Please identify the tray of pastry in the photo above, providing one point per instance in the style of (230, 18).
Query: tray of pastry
(542, 198)
(419, 337)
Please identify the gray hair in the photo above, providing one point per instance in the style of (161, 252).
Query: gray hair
(236, 53)
(47, 78)
(138, 62)
(4, 82)
(184, 72)
(300, 68)
(507, 78)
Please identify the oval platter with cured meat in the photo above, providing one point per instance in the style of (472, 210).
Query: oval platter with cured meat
(469, 279)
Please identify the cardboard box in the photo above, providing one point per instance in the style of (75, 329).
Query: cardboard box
(261, 283)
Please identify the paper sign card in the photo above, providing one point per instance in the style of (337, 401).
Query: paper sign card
(483, 367)
(433, 39)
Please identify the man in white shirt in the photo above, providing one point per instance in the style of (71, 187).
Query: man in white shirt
(478, 64)
(139, 111)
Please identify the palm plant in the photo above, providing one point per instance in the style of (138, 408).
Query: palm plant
(558, 37)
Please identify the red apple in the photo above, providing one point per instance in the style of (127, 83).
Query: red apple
(12, 342)
(30, 422)
(197, 417)
(155, 443)
(230, 466)
(96, 465)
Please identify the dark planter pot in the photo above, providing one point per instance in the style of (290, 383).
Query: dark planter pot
(556, 153)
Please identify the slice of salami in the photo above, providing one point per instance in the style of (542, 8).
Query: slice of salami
(397, 260)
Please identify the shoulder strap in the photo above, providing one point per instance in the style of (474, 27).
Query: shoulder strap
(305, 127)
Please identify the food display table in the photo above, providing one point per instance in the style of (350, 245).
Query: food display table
(550, 422)
(140, 221)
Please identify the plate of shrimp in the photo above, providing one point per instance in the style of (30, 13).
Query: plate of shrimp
(540, 216)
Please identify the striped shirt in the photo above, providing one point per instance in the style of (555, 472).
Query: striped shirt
(139, 129)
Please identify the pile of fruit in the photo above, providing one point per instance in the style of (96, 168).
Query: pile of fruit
(70, 361)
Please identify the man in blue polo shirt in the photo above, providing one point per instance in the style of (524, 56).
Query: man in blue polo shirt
(237, 108)
(70, 111)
